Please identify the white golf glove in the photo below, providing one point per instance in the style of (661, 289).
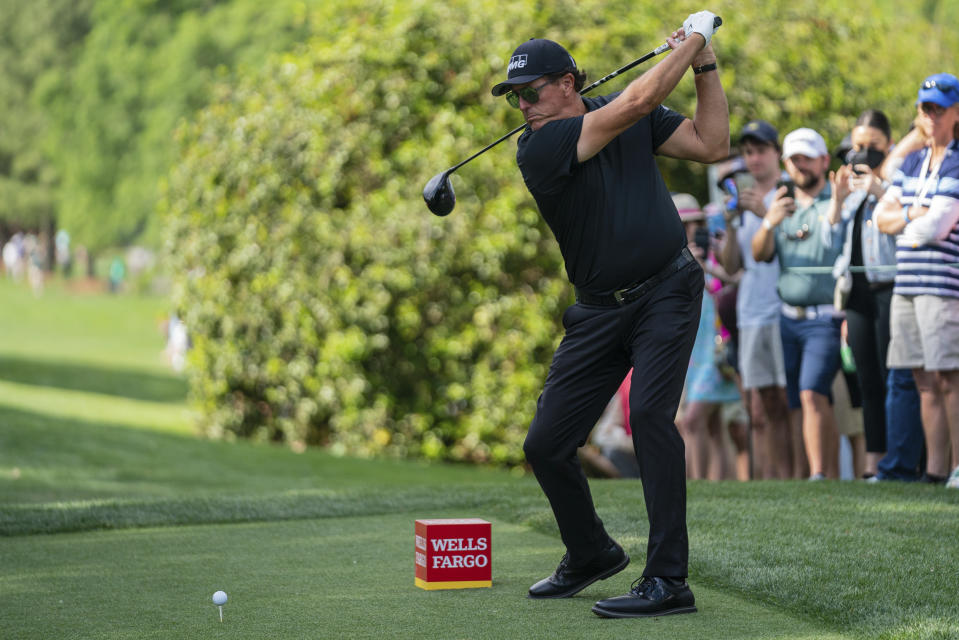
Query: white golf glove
(701, 23)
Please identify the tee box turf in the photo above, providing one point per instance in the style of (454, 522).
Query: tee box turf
(453, 554)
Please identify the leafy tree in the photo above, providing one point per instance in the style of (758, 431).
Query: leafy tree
(145, 65)
(35, 38)
(328, 306)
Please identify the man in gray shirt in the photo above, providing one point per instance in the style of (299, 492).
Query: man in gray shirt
(760, 354)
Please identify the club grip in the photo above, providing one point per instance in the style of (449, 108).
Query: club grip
(717, 22)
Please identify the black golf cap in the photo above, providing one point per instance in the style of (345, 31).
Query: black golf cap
(759, 130)
(533, 59)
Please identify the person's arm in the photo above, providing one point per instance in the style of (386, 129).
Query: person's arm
(932, 223)
(840, 191)
(764, 242)
(705, 138)
(891, 217)
(912, 141)
(719, 271)
(646, 92)
(731, 255)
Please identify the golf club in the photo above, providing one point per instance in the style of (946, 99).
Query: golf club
(438, 192)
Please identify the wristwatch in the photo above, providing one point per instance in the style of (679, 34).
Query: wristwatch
(703, 69)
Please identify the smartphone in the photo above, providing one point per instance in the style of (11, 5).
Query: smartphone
(730, 188)
(702, 240)
(744, 180)
(790, 187)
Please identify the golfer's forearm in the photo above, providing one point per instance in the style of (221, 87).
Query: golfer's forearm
(648, 91)
(638, 100)
(711, 121)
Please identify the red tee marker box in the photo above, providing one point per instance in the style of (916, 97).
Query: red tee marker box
(453, 554)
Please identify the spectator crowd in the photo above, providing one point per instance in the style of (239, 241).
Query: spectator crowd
(832, 306)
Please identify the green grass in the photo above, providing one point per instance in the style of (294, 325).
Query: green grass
(117, 522)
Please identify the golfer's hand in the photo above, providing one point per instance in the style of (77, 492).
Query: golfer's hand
(701, 23)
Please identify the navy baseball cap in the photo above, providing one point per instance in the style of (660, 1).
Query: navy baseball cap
(940, 88)
(534, 59)
(759, 130)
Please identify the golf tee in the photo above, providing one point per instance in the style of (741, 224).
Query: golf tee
(221, 613)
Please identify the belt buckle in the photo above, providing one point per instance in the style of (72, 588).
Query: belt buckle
(800, 313)
(618, 297)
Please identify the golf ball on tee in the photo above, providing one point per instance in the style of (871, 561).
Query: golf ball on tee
(219, 598)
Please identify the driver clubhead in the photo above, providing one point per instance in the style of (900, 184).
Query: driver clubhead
(438, 194)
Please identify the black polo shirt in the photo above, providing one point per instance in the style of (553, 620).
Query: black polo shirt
(612, 215)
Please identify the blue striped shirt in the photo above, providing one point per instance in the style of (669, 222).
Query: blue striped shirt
(931, 268)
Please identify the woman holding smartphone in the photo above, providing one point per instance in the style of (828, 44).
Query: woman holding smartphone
(866, 288)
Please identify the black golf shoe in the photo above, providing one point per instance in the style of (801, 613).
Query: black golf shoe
(568, 580)
(649, 597)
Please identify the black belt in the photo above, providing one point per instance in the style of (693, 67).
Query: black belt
(634, 291)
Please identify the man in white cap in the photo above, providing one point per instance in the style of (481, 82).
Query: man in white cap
(795, 229)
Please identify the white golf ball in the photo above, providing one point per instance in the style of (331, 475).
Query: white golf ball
(219, 598)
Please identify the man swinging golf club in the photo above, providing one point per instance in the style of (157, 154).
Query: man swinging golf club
(589, 164)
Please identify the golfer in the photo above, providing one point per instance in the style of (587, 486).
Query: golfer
(589, 163)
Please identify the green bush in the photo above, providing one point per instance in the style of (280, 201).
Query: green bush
(325, 303)
(327, 306)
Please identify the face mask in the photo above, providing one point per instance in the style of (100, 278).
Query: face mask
(869, 156)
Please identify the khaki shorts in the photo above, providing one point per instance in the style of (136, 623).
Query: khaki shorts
(761, 357)
(924, 333)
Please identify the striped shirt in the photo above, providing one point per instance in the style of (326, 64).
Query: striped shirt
(927, 251)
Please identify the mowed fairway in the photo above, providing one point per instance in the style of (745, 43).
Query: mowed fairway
(117, 522)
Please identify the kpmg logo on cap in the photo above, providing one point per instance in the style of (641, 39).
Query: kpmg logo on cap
(516, 62)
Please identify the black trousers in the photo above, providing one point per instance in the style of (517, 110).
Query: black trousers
(867, 321)
(655, 336)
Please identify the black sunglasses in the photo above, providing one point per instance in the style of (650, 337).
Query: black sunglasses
(529, 94)
(945, 87)
(932, 108)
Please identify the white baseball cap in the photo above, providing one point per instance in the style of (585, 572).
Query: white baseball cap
(804, 142)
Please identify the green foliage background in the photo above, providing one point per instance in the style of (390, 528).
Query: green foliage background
(144, 65)
(328, 306)
(278, 151)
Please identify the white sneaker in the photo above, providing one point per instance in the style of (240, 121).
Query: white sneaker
(953, 481)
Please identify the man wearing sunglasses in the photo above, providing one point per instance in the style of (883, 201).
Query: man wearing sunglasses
(590, 165)
(922, 209)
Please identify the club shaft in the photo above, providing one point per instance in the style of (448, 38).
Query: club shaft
(487, 148)
(655, 52)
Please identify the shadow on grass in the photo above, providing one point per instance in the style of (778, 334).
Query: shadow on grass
(125, 383)
(61, 474)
